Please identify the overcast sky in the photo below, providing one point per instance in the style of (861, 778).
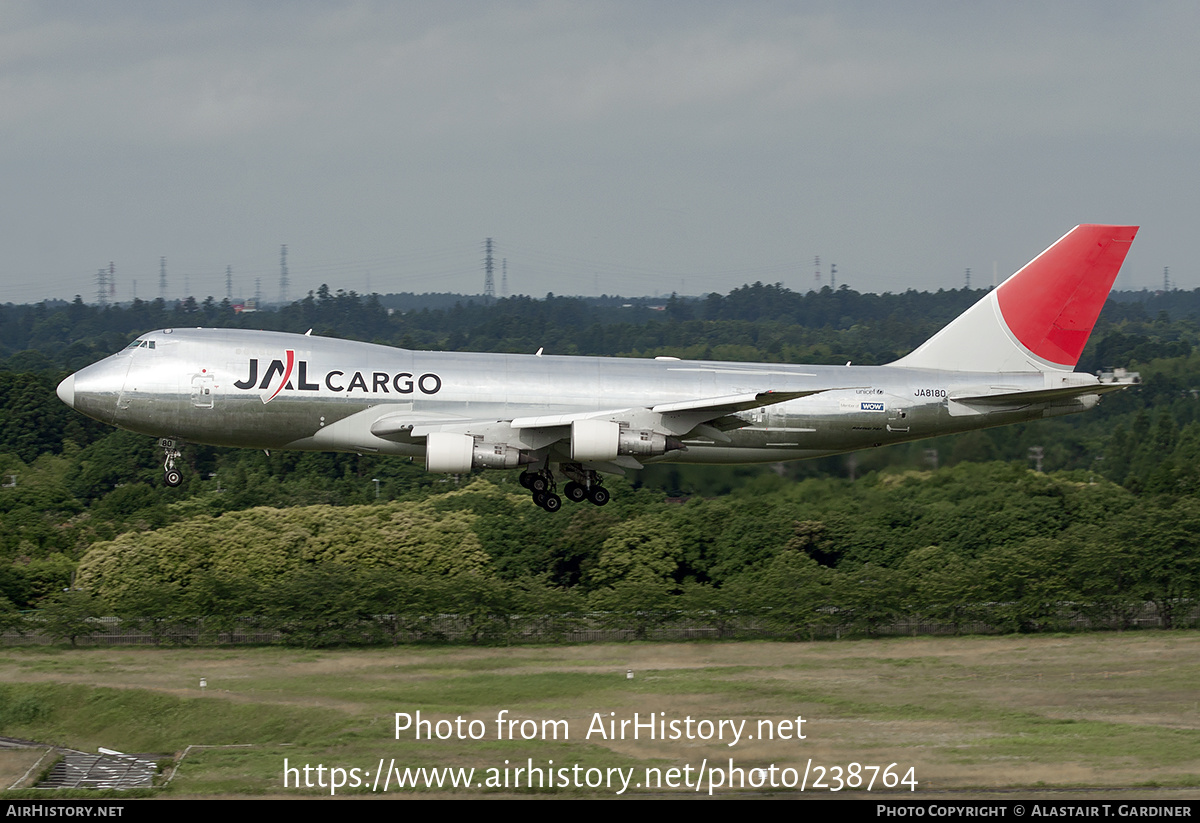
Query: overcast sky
(608, 147)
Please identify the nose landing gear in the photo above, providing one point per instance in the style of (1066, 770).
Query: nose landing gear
(171, 475)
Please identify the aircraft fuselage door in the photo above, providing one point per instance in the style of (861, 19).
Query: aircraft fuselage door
(202, 390)
(897, 412)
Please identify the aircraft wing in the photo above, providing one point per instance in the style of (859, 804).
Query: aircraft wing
(676, 418)
(705, 409)
(403, 423)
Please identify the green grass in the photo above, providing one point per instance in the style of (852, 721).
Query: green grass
(969, 714)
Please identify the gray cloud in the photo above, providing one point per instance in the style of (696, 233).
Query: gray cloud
(615, 146)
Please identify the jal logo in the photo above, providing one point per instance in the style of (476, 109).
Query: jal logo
(278, 376)
(871, 406)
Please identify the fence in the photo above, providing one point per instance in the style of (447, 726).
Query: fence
(585, 627)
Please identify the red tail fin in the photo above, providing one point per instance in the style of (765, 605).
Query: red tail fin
(1052, 303)
(1040, 318)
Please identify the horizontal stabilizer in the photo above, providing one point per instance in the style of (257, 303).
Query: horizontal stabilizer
(1008, 398)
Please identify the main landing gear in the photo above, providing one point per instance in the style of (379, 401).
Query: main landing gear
(583, 485)
(171, 475)
(542, 484)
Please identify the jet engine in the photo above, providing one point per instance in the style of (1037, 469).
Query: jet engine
(451, 453)
(604, 440)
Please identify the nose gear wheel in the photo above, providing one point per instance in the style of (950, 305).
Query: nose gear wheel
(171, 475)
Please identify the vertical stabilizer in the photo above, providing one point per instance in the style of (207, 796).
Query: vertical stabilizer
(1040, 318)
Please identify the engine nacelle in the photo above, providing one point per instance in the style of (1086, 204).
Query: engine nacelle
(603, 440)
(646, 443)
(498, 456)
(451, 453)
(594, 440)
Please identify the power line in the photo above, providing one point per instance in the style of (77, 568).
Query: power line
(283, 275)
(489, 282)
(102, 287)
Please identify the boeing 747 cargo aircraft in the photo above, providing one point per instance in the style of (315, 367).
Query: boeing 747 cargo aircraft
(1009, 358)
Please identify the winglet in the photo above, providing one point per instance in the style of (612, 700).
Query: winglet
(1040, 318)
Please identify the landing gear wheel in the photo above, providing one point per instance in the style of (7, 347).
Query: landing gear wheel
(575, 492)
(523, 478)
(171, 476)
(584, 484)
(537, 483)
(552, 503)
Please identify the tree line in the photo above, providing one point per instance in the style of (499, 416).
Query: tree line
(926, 539)
(977, 547)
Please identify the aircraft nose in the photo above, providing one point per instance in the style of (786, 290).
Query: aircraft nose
(66, 391)
(96, 389)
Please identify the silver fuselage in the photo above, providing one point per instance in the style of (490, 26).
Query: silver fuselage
(228, 388)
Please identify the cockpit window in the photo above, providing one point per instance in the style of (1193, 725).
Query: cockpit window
(140, 344)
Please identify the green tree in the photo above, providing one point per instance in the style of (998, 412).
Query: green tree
(641, 603)
(70, 615)
(1104, 572)
(1166, 543)
(870, 597)
(792, 594)
(941, 586)
(11, 619)
(644, 549)
(150, 606)
(1025, 587)
(318, 606)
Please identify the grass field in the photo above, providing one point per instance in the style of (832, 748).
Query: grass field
(968, 715)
